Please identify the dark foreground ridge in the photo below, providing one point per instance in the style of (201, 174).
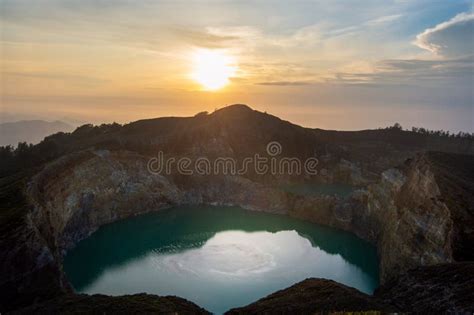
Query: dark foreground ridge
(103, 304)
(416, 206)
(314, 295)
(445, 288)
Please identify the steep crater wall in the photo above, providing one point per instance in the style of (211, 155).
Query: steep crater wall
(70, 198)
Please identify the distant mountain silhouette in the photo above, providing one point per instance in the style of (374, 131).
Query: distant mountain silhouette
(31, 131)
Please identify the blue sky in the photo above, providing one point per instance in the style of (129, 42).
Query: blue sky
(328, 64)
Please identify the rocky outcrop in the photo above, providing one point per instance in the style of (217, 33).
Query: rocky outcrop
(103, 304)
(313, 296)
(417, 225)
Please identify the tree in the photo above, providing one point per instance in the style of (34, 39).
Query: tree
(396, 126)
(6, 152)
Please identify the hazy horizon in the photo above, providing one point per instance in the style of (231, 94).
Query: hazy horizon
(336, 65)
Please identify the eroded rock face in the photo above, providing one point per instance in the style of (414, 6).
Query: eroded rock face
(404, 214)
(415, 224)
(349, 214)
(72, 197)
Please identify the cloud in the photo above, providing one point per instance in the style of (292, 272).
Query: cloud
(384, 19)
(284, 73)
(453, 38)
(53, 76)
(413, 72)
(205, 39)
(284, 83)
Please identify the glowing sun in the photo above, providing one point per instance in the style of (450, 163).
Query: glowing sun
(212, 68)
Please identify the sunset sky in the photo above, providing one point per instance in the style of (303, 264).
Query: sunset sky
(329, 64)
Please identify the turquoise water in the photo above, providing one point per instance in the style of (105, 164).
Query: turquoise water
(341, 190)
(217, 257)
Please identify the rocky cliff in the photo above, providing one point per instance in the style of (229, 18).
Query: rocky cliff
(404, 214)
(416, 226)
